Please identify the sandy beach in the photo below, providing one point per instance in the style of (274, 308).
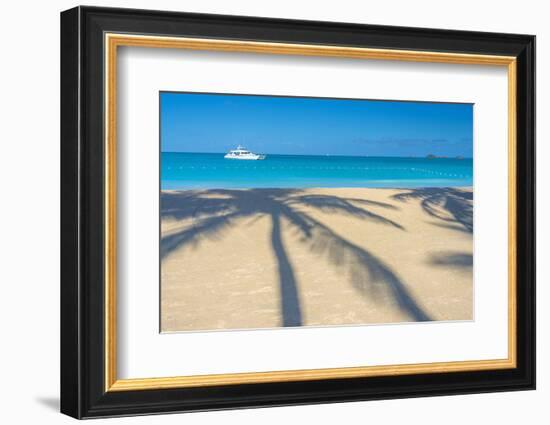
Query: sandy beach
(265, 258)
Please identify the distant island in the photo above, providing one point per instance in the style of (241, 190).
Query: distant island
(432, 156)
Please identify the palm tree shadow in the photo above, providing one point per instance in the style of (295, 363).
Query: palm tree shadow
(369, 274)
(453, 207)
(213, 211)
(291, 311)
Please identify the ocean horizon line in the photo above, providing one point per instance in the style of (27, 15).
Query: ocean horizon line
(427, 156)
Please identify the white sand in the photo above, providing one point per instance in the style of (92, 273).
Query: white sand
(267, 258)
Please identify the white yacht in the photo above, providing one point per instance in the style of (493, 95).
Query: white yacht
(242, 153)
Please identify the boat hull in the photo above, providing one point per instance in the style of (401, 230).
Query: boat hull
(247, 158)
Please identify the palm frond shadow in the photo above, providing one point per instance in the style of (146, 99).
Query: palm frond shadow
(453, 207)
(213, 211)
(458, 260)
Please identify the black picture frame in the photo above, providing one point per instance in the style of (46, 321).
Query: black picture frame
(83, 392)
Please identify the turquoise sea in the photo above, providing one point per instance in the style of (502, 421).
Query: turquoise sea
(211, 170)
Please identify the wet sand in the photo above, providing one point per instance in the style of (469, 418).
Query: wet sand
(266, 258)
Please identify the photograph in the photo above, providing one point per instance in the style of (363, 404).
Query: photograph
(285, 211)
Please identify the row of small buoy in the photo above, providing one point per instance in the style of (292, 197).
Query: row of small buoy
(432, 172)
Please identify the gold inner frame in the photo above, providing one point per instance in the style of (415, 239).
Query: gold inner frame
(113, 41)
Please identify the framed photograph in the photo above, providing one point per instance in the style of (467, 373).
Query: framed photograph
(261, 212)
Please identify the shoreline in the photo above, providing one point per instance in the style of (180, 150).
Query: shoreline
(294, 187)
(463, 187)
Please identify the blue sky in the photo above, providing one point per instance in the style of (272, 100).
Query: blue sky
(196, 122)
